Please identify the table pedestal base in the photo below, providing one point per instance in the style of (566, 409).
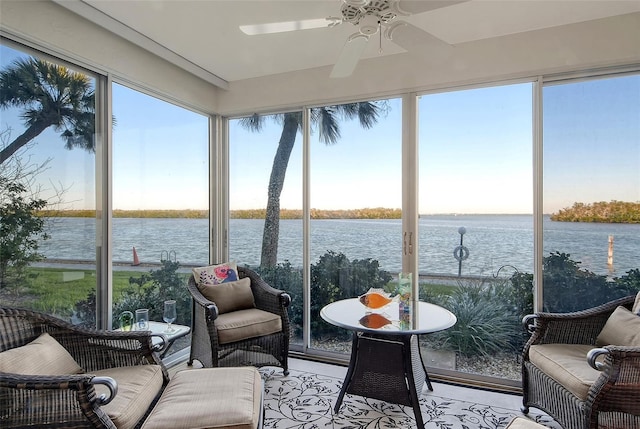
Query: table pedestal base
(388, 368)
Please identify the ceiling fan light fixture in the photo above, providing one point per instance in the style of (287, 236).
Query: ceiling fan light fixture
(369, 25)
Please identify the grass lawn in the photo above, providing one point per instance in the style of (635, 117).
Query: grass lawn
(57, 290)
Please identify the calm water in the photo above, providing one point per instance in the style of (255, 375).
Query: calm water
(492, 240)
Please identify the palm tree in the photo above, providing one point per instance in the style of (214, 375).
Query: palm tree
(51, 95)
(326, 121)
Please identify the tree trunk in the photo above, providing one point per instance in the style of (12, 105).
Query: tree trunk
(271, 233)
(31, 133)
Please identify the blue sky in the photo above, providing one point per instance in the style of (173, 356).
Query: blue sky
(475, 153)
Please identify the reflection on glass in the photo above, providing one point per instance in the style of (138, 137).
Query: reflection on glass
(374, 321)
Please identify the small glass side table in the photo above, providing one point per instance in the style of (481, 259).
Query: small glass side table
(178, 331)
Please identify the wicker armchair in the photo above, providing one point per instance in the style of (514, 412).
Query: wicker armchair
(603, 388)
(118, 380)
(210, 343)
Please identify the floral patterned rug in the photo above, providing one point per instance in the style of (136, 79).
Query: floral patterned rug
(305, 401)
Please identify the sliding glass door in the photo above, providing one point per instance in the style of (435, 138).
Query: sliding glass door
(355, 199)
(265, 203)
(47, 186)
(591, 191)
(476, 224)
(160, 204)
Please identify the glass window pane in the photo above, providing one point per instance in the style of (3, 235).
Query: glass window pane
(265, 201)
(591, 192)
(476, 224)
(160, 204)
(47, 167)
(356, 200)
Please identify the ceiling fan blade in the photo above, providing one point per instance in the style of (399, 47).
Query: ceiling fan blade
(412, 38)
(410, 7)
(350, 55)
(284, 26)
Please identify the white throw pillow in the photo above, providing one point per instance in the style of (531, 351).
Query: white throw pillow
(216, 274)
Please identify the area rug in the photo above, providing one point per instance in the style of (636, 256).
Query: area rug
(305, 400)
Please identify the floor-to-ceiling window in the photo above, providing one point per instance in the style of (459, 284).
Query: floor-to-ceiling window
(591, 189)
(47, 185)
(160, 203)
(476, 223)
(355, 197)
(265, 203)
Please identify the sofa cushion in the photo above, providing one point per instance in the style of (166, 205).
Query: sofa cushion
(566, 364)
(138, 386)
(42, 356)
(230, 296)
(229, 398)
(622, 329)
(216, 274)
(243, 324)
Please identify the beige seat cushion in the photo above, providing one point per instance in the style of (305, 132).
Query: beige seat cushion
(522, 423)
(567, 364)
(209, 398)
(243, 324)
(42, 356)
(138, 386)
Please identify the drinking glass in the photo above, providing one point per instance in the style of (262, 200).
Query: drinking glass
(142, 319)
(126, 320)
(169, 315)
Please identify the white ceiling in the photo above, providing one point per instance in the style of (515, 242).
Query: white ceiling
(206, 33)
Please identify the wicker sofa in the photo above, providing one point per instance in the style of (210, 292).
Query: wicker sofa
(583, 368)
(56, 375)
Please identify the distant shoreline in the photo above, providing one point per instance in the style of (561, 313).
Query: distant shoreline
(599, 212)
(366, 213)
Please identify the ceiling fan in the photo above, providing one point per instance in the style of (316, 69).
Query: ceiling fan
(370, 17)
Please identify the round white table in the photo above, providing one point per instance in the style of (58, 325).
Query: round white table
(386, 362)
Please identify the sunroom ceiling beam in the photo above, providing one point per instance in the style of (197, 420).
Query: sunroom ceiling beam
(99, 18)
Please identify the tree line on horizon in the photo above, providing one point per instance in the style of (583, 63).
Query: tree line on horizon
(366, 213)
(598, 212)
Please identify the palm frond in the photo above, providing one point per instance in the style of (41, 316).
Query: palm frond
(253, 123)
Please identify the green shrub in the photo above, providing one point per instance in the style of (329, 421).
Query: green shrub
(147, 291)
(284, 277)
(333, 277)
(485, 321)
(568, 287)
(151, 290)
